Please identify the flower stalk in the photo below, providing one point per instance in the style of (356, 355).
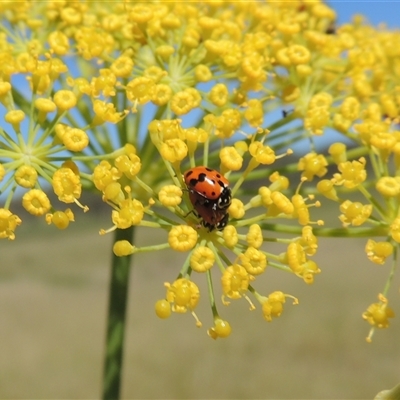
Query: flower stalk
(116, 319)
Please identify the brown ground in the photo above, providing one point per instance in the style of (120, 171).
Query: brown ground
(53, 294)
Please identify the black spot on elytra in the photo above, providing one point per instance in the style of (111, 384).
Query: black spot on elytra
(193, 182)
(220, 183)
(202, 177)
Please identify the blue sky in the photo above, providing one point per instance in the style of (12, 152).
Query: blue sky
(375, 11)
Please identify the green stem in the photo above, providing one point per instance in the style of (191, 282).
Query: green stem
(113, 363)
(359, 232)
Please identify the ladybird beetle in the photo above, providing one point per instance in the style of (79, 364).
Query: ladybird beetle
(210, 195)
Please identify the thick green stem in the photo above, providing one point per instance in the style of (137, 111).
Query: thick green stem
(113, 363)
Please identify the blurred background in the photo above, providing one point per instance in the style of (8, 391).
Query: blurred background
(53, 303)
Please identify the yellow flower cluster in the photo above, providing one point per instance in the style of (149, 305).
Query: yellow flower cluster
(91, 93)
(238, 250)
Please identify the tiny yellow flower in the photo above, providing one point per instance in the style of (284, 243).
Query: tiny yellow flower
(160, 131)
(104, 83)
(321, 100)
(129, 164)
(288, 28)
(174, 150)
(296, 257)
(202, 73)
(388, 186)
(252, 72)
(162, 94)
(389, 106)
(309, 269)
(93, 42)
(300, 209)
(350, 108)
(235, 281)
(308, 241)
(279, 182)
(262, 154)
(59, 42)
(131, 212)
(66, 185)
(254, 261)
(352, 173)
(8, 224)
(183, 102)
(170, 21)
(341, 123)
(5, 87)
(354, 213)
(298, 54)
(378, 314)
(75, 139)
(163, 309)
(182, 238)
(316, 120)
(122, 66)
(254, 237)
(327, 189)
(26, 176)
(140, 90)
(282, 203)
(141, 13)
(383, 140)
(272, 306)
(221, 329)
(265, 194)
(36, 202)
(183, 294)
(254, 114)
(170, 195)
(226, 124)
(202, 259)
(312, 164)
(123, 248)
(230, 236)
(104, 174)
(60, 219)
(194, 136)
(236, 209)
(44, 107)
(106, 112)
(377, 252)
(71, 16)
(15, 117)
(113, 192)
(219, 95)
(165, 51)
(64, 100)
(231, 160)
